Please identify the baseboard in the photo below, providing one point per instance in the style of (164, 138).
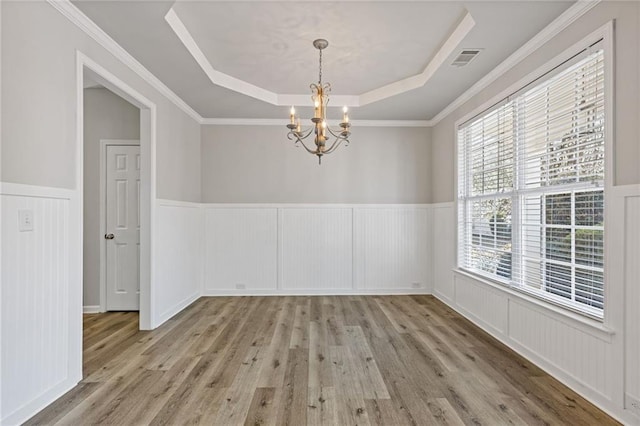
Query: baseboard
(28, 410)
(91, 309)
(175, 309)
(444, 299)
(311, 292)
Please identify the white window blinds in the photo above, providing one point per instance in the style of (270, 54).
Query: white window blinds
(530, 183)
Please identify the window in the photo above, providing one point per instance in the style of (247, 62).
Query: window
(530, 188)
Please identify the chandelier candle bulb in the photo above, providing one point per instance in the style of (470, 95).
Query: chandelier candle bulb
(293, 115)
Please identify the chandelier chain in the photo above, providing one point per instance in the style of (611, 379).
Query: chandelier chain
(320, 74)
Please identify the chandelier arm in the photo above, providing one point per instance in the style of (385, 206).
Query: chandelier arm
(310, 151)
(339, 136)
(336, 144)
(333, 146)
(300, 139)
(304, 136)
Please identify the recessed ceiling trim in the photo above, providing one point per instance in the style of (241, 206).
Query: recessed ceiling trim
(419, 80)
(569, 16)
(232, 83)
(279, 122)
(216, 77)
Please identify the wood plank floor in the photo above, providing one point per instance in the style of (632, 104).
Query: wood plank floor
(387, 360)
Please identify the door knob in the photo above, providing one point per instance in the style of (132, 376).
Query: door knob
(109, 236)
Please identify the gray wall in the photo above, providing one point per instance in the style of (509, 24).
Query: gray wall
(258, 164)
(106, 116)
(627, 97)
(39, 105)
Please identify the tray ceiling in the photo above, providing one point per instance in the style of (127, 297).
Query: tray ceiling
(392, 60)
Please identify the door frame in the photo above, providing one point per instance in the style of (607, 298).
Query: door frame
(103, 212)
(148, 120)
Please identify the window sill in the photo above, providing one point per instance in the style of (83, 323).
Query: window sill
(583, 323)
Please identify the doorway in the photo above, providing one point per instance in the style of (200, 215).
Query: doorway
(88, 69)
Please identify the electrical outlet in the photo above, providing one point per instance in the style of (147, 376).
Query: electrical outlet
(241, 286)
(25, 220)
(415, 285)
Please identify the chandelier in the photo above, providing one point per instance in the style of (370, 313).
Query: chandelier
(320, 130)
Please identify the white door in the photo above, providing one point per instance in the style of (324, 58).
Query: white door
(123, 227)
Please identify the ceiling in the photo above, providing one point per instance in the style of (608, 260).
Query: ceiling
(253, 59)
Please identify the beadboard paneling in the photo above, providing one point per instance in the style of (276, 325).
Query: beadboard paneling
(241, 249)
(178, 258)
(578, 354)
(632, 273)
(483, 303)
(316, 249)
(36, 316)
(392, 248)
(444, 242)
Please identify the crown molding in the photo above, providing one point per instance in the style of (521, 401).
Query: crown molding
(568, 17)
(82, 21)
(283, 122)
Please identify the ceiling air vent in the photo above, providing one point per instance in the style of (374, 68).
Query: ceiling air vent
(465, 57)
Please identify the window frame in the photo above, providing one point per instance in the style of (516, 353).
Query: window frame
(604, 37)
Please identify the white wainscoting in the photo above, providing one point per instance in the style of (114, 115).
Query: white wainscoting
(444, 243)
(317, 249)
(586, 355)
(41, 334)
(482, 304)
(177, 258)
(241, 249)
(387, 253)
(632, 297)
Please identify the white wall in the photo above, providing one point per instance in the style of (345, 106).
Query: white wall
(258, 164)
(279, 223)
(106, 116)
(39, 148)
(179, 258)
(39, 87)
(316, 249)
(600, 361)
